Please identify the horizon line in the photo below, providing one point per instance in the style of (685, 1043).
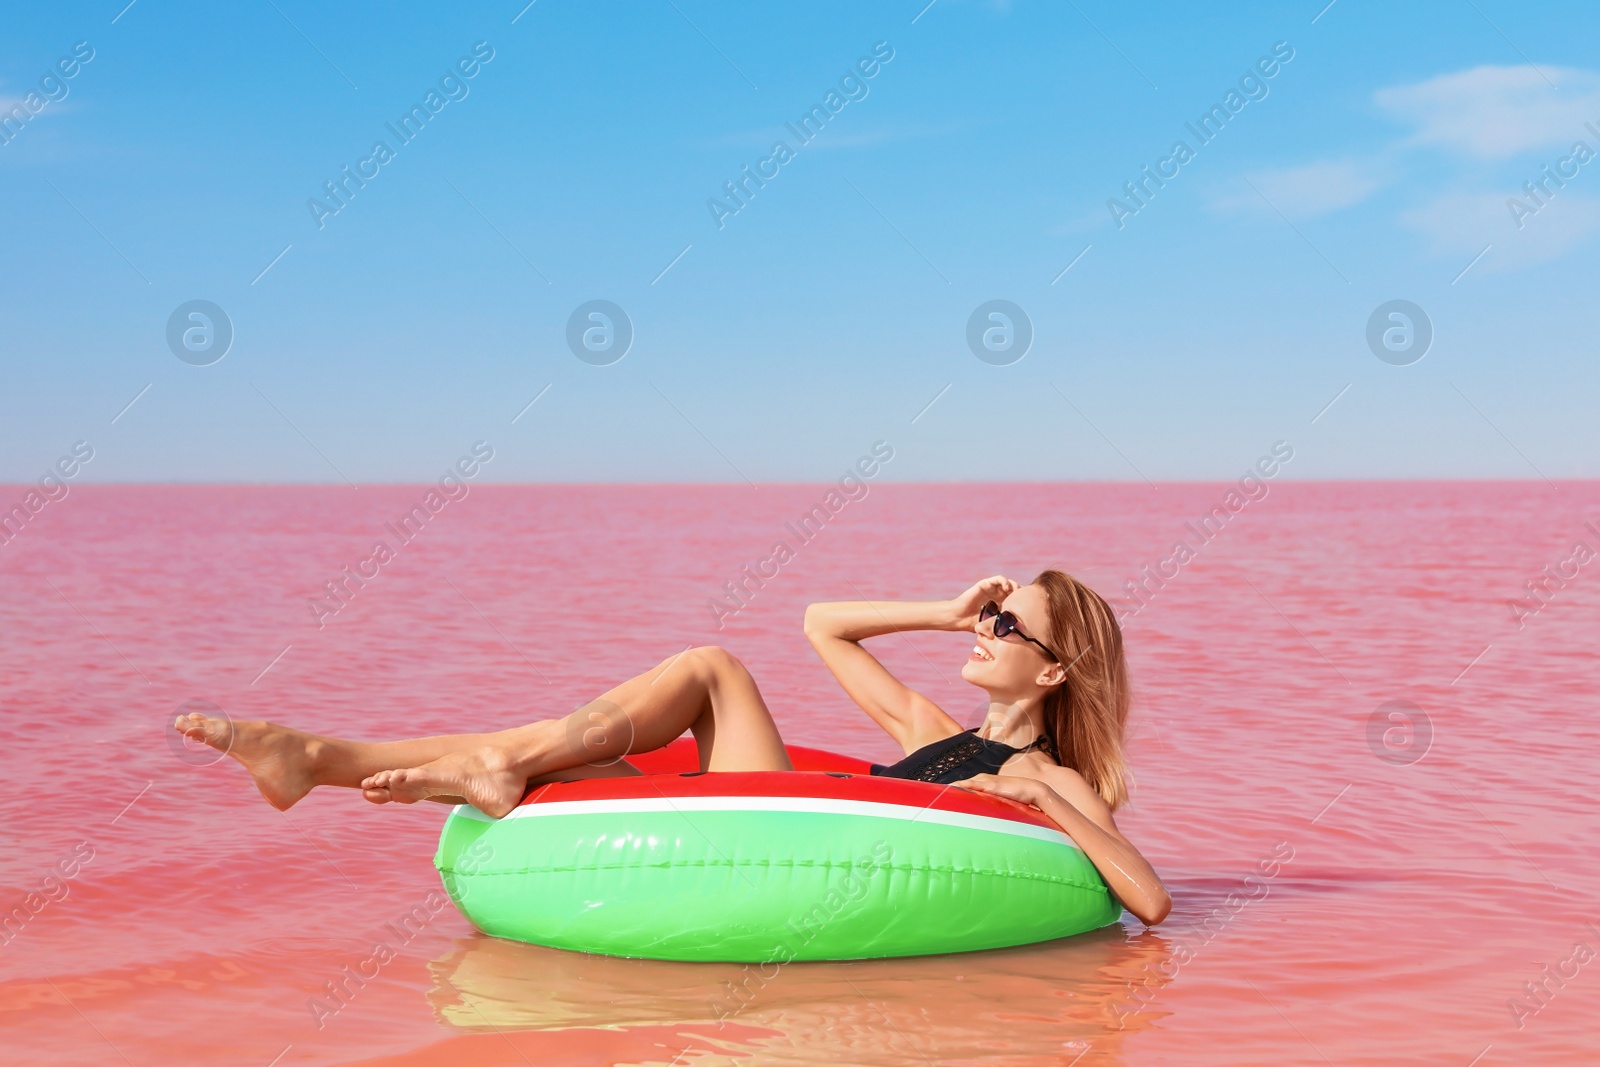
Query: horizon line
(1276, 480)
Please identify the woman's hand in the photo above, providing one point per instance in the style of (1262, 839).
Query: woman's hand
(965, 607)
(1011, 786)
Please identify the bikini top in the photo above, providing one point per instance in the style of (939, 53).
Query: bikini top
(957, 757)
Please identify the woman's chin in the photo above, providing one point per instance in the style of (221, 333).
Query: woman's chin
(982, 674)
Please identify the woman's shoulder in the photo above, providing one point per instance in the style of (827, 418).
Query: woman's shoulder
(1071, 779)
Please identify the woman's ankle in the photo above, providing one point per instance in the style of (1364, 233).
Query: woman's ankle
(315, 757)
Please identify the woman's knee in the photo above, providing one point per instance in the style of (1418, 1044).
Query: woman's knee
(716, 663)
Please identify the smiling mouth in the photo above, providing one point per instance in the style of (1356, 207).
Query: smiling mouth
(979, 653)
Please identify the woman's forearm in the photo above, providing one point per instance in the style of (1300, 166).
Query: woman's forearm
(857, 620)
(1127, 873)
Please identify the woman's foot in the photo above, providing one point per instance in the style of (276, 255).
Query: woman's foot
(483, 777)
(278, 758)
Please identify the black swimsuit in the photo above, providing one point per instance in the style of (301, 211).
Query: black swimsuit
(955, 758)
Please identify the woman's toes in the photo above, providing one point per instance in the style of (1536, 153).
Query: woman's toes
(377, 796)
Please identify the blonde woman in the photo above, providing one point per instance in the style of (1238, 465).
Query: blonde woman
(1048, 655)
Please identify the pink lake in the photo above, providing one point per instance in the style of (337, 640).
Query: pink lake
(1442, 874)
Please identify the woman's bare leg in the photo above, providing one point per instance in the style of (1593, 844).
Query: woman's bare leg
(698, 690)
(704, 690)
(286, 763)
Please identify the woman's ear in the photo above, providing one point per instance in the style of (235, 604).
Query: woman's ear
(1052, 675)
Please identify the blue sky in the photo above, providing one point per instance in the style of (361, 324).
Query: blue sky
(976, 164)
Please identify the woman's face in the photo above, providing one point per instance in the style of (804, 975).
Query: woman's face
(1011, 667)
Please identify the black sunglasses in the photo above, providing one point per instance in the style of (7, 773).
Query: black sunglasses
(1005, 624)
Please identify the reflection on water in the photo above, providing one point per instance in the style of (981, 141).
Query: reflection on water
(1079, 996)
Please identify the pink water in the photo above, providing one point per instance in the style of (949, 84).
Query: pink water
(1422, 893)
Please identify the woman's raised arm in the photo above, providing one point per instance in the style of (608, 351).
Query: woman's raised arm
(835, 630)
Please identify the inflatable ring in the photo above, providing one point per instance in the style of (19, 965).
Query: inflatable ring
(826, 863)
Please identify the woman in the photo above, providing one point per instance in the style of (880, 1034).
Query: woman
(1049, 656)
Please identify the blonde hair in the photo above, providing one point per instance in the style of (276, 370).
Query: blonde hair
(1085, 716)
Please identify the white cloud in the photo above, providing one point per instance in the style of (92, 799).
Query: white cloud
(1312, 189)
(1494, 113)
(1484, 115)
(1462, 223)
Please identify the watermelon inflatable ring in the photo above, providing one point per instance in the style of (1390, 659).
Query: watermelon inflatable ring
(824, 863)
